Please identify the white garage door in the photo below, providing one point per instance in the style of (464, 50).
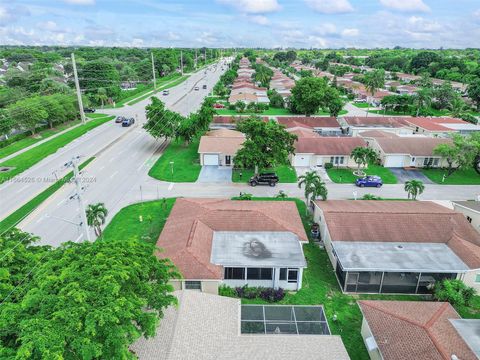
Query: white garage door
(394, 161)
(210, 159)
(301, 160)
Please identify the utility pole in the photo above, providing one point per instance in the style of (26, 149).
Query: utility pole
(83, 215)
(153, 72)
(205, 55)
(181, 61)
(77, 86)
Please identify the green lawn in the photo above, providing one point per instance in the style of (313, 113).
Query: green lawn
(186, 166)
(459, 177)
(361, 105)
(126, 224)
(23, 161)
(18, 215)
(286, 174)
(345, 176)
(271, 112)
(95, 115)
(41, 135)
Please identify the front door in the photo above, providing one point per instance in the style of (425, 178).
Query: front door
(228, 160)
(412, 161)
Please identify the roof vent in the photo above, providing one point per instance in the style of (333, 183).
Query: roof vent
(454, 357)
(399, 247)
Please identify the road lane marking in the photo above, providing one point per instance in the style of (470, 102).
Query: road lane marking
(61, 202)
(115, 173)
(41, 218)
(23, 188)
(111, 159)
(103, 167)
(79, 237)
(170, 187)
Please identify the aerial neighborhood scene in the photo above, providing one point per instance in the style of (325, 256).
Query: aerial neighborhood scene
(240, 179)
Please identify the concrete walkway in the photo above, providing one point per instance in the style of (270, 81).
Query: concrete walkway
(215, 174)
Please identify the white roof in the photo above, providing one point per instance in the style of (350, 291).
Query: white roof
(206, 327)
(395, 256)
(460, 127)
(257, 248)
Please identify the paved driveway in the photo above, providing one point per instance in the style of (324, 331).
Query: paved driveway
(215, 174)
(406, 175)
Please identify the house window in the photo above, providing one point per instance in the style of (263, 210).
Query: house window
(469, 219)
(477, 278)
(259, 274)
(337, 160)
(193, 285)
(292, 275)
(283, 274)
(428, 161)
(436, 161)
(234, 273)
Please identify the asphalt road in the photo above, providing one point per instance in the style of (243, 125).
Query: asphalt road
(117, 169)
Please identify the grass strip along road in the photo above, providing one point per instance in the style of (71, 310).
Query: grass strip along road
(30, 140)
(21, 213)
(31, 157)
(160, 88)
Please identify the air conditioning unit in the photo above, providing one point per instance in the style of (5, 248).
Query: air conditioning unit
(371, 344)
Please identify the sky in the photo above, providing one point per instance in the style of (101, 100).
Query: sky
(242, 23)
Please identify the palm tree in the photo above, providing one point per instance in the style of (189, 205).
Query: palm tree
(374, 80)
(96, 214)
(362, 156)
(414, 188)
(423, 99)
(457, 106)
(101, 95)
(314, 186)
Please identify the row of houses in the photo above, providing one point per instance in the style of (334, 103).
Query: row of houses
(281, 83)
(376, 247)
(244, 89)
(399, 142)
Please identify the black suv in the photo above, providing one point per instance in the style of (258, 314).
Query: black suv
(264, 179)
(88, 110)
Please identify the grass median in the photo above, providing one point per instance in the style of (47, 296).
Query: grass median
(159, 88)
(24, 161)
(186, 164)
(21, 213)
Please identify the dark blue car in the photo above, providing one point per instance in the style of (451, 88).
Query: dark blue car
(369, 181)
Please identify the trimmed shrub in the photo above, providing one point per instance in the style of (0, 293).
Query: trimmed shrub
(328, 165)
(266, 294)
(454, 291)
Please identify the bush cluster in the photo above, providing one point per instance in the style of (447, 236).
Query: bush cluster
(266, 294)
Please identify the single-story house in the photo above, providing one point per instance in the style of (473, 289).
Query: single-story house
(218, 147)
(398, 330)
(397, 246)
(440, 126)
(471, 210)
(325, 126)
(355, 124)
(217, 241)
(244, 97)
(205, 327)
(303, 132)
(412, 151)
(310, 152)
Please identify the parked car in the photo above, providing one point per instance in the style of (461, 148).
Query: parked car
(120, 119)
(128, 122)
(369, 181)
(88, 110)
(196, 88)
(218, 106)
(166, 92)
(264, 179)
(204, 86)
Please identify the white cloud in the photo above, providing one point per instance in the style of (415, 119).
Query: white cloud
(350, 32)
(330, 6)
(253, 6)
(258, 19)
(420, 25)
(477, 13)
(173, 36)
(317, 42)
(325, 29)
(80, 2)
(48, 25)
(406, 5)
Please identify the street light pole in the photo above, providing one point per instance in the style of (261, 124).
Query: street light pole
(83, 213)
(77, 87)
(153, 72)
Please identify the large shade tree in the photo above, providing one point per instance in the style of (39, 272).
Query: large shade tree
(267, 144)
(79, 301)
(311, 93)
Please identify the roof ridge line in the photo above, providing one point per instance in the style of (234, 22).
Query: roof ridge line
(400, 317)
(192, 232)
(428, 326)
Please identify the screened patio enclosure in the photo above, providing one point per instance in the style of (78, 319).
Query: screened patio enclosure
(394, 268)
